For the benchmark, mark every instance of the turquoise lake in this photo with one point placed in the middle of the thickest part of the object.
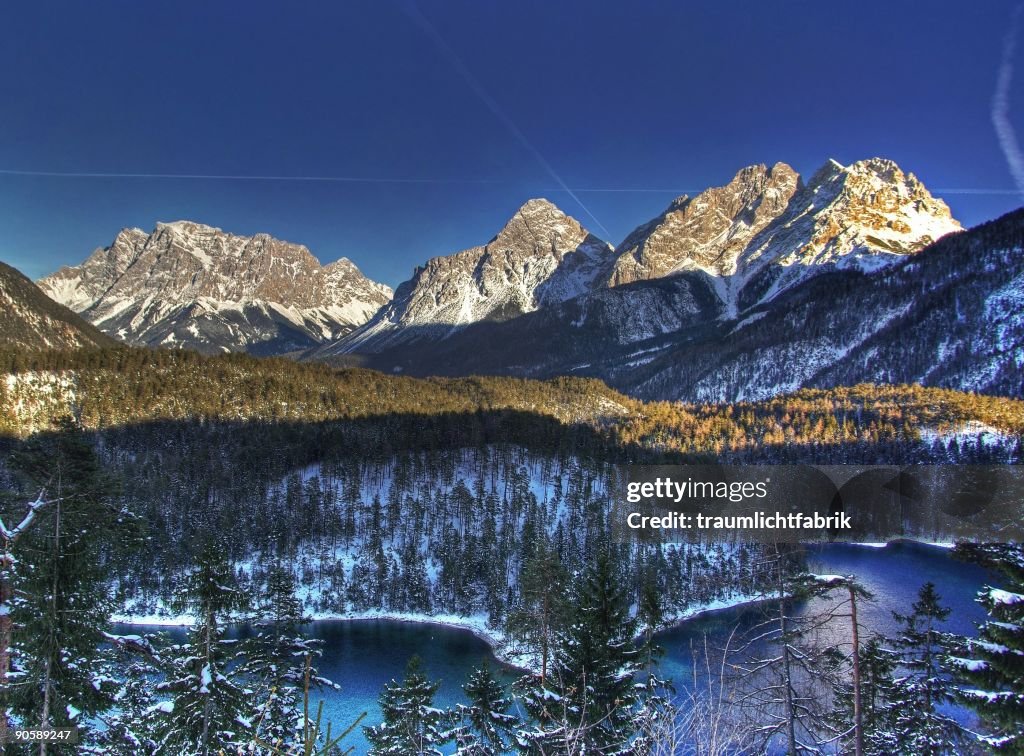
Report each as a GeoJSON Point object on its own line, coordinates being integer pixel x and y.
{"type": "Point", "coordinates": [362, 656]}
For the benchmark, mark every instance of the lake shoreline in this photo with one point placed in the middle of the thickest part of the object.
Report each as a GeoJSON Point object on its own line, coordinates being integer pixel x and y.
{"type": "Point", "coordinates": [500, 645]}
{"type": "Point", "coordinates": [477, 626]}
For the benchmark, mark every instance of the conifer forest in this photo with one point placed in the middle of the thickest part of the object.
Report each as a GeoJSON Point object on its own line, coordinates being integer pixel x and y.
{"type": "Point", "coordinates": [269, 494]}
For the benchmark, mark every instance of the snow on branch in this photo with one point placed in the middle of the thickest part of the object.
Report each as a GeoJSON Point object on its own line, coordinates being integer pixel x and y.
{"type": "Point", "coordinates": [1004, 598]}
{"type": "Point", "coordinates": [34, 507]}
{"type": "Point", "coordinates": [136, 643]}
{"type": "Point", "coordinates": [834, 580]}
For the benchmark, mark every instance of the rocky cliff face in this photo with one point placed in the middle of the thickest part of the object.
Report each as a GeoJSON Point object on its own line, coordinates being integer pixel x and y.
{"type": "Point", "coordinates": [758, 286]}
{"type": "Point", "coordinates": [186, 284]}
{"type": "Point", "coordinates": [862, 217]}
{"type": "Point", "coordinates": [541, 257]}
{"type": "Point", "coordinates": [707, 232]}
{"type": "Point", "coordinates": [951, 315]}
{"type": "Point", "coordinates": [748, 241]}
{"type": "Point", "coordinates": [765, 230]}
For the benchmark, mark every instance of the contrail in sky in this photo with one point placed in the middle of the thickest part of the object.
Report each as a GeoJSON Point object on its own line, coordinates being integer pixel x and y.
{"type": "Point", "coordinates": [975, 191]}
{"type": "Point", "coordinates": [224, 177]}
{"type": "Point", "coordinates": [492, 105]}
{"type": "Point", "coordinates": [1001, 105]}
{"type": "Point", "coordinates": [334, 179]}
{"type": "Point", "coordinates": [428, 181]}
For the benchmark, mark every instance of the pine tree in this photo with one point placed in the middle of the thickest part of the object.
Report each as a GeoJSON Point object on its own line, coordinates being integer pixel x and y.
{"type": "Point", "coordinates": [208, 708]}
{"type": "Point", "coordinates": [415, 583]}
{"type": "Point", "coordinates": [904, 685]}
{"type": "Point", "coordinates": [990, 668]}
{"type": "Point", "coordinates": [589, 700]}
{"type": "Point", "coordinates": [486, 725]}
{"type": "Point", "coordinates": [877, 663]}
{"type": "Point", "coordinates": [411, 726]}
{"type": "Point", "coordinates": [543, 580]}
{"type": "Point", "coordinates": [279, 663]}
{"type": "Point", "coordinates": [279, 606]}
{"type": "Point", "coordinates": [135, 662]}
{"type": "Point", "coordinates": [650, 607]}
{"type": "Point", "coordinates": [22, 523]}
{"type": "Point", "coordinates": [61, 608]}
{"type": "Point", "coordinates": [920, 685]}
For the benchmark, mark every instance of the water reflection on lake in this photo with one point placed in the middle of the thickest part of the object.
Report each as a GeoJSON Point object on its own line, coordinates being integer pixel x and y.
{"type": "Point", "coordinates": [893, 574]}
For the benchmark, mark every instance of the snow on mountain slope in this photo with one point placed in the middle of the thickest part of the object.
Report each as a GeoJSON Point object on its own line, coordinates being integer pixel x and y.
{"type": "Point", "coordinates": [747, 242]}
{"type": "Point", "coordinates": [186, 284]}
{"type": "Point", "coordinates": [29, 319]}
{"type": "Point", "coordinates": [765, 231]}
{"type": "Point", "coordinates": [540, 258]}
{"type": "Point", "coordinates": [864, 216]}
{"type": "Point", "coordinates": [950, 315]}
{"type": "Point", "coordinates": [707, 232]}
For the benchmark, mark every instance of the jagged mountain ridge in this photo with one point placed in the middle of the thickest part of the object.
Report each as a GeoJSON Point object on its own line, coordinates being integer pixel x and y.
{"type": "Point", "coordinates": [31, 320]}
{"type": "Point", "coordinates": [709, 231]}
{"type": "Point", "coordinates": [766, 231]}
{"type": "Point", "coordinates": [751, 239]}
{"type": "Point", "coordinates": [191, 285]}
{"type": "Point", "coordinates": [951, 315]}
{"type": "Point", "coordinates": [541, 257]}
{"type": "Point", "coordinates": [705, 264]}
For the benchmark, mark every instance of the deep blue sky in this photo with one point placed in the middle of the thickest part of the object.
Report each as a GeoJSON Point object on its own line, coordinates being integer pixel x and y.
{"type": "Point", "coordinates": [669, 96]}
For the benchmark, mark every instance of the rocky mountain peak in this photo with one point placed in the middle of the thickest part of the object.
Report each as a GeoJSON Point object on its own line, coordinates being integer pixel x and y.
{"type": "Point", "coordinates": [866, 208]}
{"type": "Point", "coordinates": [346, 279]}
{"type": "Point", "coordinates": [765, 224]}
{"type": "Point", "coordinates": [77, 287]}
{"type": "Point", "coordinates": [187, 226]}
{"type": "Point", "coordinates": [538, 205]}
{"type": "Point", "coordinates": [540, 256]}
{"type": "Point", "coordinates": [180, 283]}
{"type": "Point", "coordinates": [678, 203]}
{"type": "Point", "coordinates": [876, 183]}
{"type": "Point", "coordinates": [342, 267]}
{"type": "Point", "coordinates": [865, 216]}
{"type": "Point", "coordinates": [536, 228]}
{"type": "Point", "coordinates": [130, 236]}
{"type": "Point", "coordinates": [708, 231]}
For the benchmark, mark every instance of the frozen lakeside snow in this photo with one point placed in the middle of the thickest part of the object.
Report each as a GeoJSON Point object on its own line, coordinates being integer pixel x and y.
{"type": "Point", "coordinates": [1004, 598]}
{"type": "Point", "coordinates": [501, 646]}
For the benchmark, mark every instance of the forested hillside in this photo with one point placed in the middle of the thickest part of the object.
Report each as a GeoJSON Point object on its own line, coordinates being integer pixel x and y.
{"type": "Point", "coordinates": [117, 388]}
{"type": "Point", "coordinates": [338, 471]}
{"type": "Point", "coordinates": [31, 320]}
{"type": "Point", "coordinates": [227, 488]}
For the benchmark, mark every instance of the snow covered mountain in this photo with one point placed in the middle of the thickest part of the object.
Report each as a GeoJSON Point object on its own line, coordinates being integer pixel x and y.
{"type": "Point", "coordinates": [734, 293]}
{"type": "Point", "coordinates": [766, 231]}
{"type": "Point", "coordinates": [707, 232]}
{"type": "Point", "coordinates": [31, 320]}
{"type": "Point", "coordinates": [951, 315]}
{"type": "Point", "coordinates": [541, 257]}
{"type": "Point", "coordinates": [186, 284]}
{"type": "Point", "coordinates": [747, 242]}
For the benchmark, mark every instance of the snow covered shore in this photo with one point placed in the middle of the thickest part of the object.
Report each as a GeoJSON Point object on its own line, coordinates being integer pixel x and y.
{"type": "Point", "coordinates": [894, 541]}
{"type": "Point", "coordinates": [505, 649]}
